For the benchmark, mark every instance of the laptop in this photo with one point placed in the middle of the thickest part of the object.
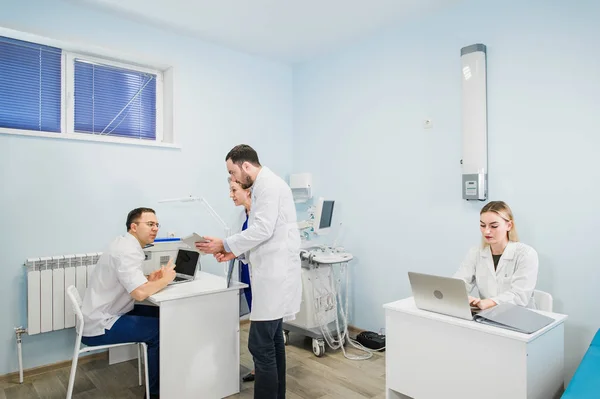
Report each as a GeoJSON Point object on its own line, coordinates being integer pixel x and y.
{"type": "Point", "coordinates": [185, 266]}
{"type": "Point", "coordinates": [443, 295]}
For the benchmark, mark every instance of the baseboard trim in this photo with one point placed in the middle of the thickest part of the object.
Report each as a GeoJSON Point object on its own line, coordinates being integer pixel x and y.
{"type": "Point", "coordinates": [355, 330]}
{"type": "Point", "coordinates": [351, 328]}
{"type": "Point", "coordinates": [14, 377]}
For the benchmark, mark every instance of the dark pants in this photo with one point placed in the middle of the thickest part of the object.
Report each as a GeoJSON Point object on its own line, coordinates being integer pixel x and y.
{"type": "Point", "coordinates": [139, 325]}
{"type": "Point", "coordinates": [265, 343]}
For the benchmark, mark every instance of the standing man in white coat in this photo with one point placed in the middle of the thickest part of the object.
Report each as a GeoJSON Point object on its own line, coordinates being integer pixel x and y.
{"type": "Point", "coordinates": [271, 243]}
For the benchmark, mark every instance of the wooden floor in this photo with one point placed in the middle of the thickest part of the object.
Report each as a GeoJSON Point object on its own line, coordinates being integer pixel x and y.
{"type": "Point", "coordinates": [308, 377]}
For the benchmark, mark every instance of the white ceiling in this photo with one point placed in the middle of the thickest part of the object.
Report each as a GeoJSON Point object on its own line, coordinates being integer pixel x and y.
{"type": "Point", "coordinates": [285, 30]}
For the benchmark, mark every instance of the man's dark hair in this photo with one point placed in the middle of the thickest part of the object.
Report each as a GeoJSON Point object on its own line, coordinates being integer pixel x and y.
{"type": "Point", "coordinates": [134, 215]}
{"type": "Point", "coordinates": [243, 153]}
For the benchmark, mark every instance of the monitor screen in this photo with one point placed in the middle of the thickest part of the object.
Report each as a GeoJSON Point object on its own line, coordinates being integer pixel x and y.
{"type": "Point", "coordinates": [186, 262]}
{"type": "Point", "coordinates": [326, 215]}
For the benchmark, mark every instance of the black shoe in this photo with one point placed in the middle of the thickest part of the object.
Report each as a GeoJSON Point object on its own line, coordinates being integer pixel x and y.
{"type": "Point", "coordinates": [248, 377]}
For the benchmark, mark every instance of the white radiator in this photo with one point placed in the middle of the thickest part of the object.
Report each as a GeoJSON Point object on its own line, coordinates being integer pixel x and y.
{"type": "Point", "coordinates": [48, 307]}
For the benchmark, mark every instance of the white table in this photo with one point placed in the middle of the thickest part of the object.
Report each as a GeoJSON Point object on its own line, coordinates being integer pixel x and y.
{"type": "Point", "coordinates": [432, 356]}
{"type": "Point", "coordinates": [199, 338]}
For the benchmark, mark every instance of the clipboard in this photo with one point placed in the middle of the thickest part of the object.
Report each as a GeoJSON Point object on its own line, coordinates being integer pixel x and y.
{"type": "Point", "coordinates": [192, 239]}
{"type": "Point", "coordinates": [514, 317]}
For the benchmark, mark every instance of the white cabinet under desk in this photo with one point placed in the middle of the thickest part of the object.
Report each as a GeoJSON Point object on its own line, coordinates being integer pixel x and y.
{"type": "Point", "coordinates": [433, 356]}
{"type": "Point", "coordinates": [199, 338]}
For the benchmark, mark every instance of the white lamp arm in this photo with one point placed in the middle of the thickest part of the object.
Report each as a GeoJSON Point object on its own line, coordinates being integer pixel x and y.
{"type": "Point", "coordinates": [210, 209]}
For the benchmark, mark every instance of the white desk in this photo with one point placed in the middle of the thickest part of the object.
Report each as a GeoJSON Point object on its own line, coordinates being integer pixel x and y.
{"type": "Point", "coordinates": [432, 356]}
{"type": "Point", "coordinates": [199, 338]}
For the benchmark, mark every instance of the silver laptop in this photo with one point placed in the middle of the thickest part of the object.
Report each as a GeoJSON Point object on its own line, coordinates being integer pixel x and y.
{"type": "Point", "coordinates": [443, 295]}
{"type": "Point", "coordinates": [186, 266]}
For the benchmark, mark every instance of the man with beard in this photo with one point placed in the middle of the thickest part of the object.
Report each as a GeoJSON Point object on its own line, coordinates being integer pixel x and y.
{"type": "Point", "coordinates": [271, 243]}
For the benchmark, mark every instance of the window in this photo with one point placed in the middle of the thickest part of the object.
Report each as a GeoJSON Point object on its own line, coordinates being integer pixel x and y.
{"type": "Point", "coordinates": [30, 86]}
{"type": "Point", "coordinates": [114, 101]}
{"type": "Point", "coordinates": [51, 91]}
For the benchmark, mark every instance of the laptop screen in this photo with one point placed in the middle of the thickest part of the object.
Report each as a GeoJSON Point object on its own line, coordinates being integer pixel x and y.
{"type": "Point", "coordinates": [186, 262]}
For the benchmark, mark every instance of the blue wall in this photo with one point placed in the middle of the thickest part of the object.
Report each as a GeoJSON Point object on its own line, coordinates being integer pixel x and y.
{"type": "Point", "coordinates": [61, 197]}
{"type": "Point", "coordinates": [358, 118]}
{"type": "Point", "coordinates": [355, 120]}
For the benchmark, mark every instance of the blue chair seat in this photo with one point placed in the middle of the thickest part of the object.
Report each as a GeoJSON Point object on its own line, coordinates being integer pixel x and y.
{"type": "Point", "coordinates": [586, 381]}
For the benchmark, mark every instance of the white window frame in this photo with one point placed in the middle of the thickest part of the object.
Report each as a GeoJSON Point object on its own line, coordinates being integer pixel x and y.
{"type": "Point", "coordinates": [69, 54]}
{"type": "Point", "coordinates": [69, 64]}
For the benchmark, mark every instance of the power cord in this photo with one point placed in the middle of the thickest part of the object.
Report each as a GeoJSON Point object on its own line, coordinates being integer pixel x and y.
{"type": "Point", "coordinates": [332, 342]}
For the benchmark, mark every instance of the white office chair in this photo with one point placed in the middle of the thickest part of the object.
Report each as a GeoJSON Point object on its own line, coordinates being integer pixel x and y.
{"type": "Point", "coordinates": [543, 300]}
{"type": "Point", "coordinates": [142, 348]}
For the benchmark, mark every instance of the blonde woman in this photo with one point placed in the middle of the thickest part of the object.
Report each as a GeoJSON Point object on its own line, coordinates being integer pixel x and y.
{"type": "Point", "coordinates": [503, 269]}
{"type": "Point", "coordinates": [242, 197]}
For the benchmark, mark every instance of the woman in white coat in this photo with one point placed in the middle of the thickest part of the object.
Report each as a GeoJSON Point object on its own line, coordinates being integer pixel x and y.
{"type": "Point", "coordinates": [242, 197]}
{"type": "Point", "coordinates": [503, 269]}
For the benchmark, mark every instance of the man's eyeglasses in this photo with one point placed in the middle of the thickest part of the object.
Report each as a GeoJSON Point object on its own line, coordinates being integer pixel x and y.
{"type": "Point", "coordinates": [150, 224]}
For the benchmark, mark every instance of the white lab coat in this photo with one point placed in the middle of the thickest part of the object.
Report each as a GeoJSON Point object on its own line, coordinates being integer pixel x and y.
{"type": "Point", "coordinates": [271, 244]}
{"type": "Point", "coordinates": [512, 282]}
{"type": "Point", "coordinates": [108, 295]}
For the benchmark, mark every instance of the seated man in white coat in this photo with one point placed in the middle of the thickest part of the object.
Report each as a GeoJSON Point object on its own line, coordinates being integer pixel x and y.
{"type": "Point", "coordinates": [271, 243]}
{"type": "Point", "coordinates": [118, 280]}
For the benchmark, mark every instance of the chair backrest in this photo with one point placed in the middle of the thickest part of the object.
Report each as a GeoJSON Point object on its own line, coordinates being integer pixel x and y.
{"type": "Point", "coordinates": [543, 300]}
{"type": "Point", "coordinates": [75, 299]}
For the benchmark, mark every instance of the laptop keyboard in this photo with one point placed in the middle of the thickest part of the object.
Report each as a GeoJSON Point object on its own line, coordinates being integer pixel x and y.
{"type": "Point", "coordinates": [179, 279]}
